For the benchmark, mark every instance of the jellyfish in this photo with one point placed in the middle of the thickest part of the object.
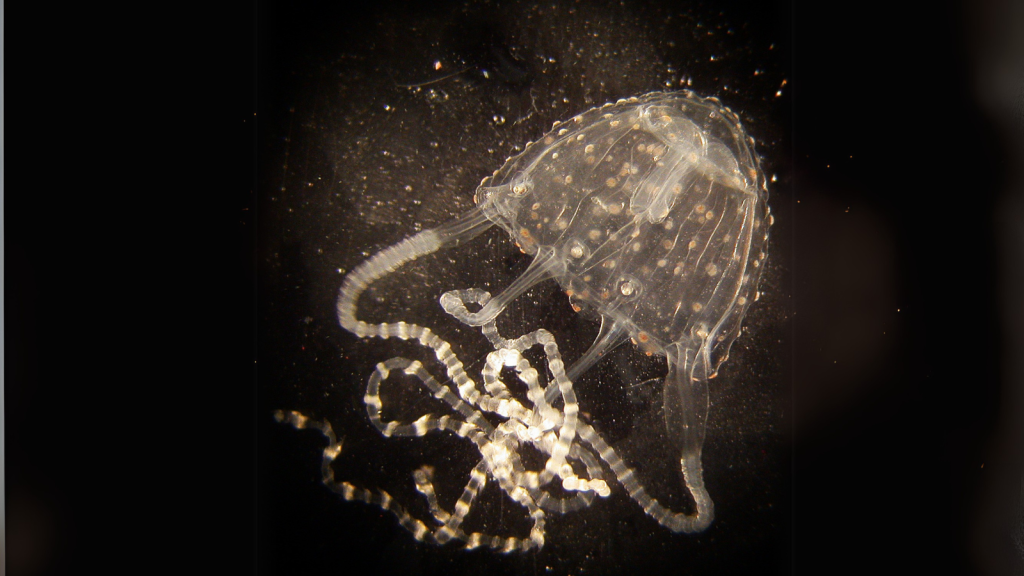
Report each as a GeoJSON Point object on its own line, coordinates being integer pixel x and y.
{"type": "Point", "coordinates": [650, 212]}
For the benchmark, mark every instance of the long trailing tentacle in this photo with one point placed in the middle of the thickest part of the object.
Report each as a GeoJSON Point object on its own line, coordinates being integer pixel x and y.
{"type": "Point", "coordinates": [556, 432]}
{"type": "Point", "coordinates": [390, 259]}
{"type": "Point", "coordinates": [552, 431]}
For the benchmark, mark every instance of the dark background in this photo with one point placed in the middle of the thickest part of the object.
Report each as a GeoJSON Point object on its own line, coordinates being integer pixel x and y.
{"type": "Point", "coordinates": [875, 404]}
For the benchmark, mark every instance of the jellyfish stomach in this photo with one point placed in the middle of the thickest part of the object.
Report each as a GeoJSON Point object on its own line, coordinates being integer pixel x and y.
{"type": "Point", "coordinates": [390, 259]}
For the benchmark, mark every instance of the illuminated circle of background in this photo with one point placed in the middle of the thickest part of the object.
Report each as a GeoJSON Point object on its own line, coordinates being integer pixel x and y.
{"type": "Point", "coordinates": [378, 145]}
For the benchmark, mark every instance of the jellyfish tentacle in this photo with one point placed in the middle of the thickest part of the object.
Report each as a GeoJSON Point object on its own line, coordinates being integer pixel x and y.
{"type": "Point", "coordinates": [689, 406]}
{"type": "Point", "coordinates": [626, 476]}
{"type": "Point", "coordinates": [611, 334]}
{"type": "Point", "coordinates": [560, 433]}
{"type": "Point", "coordinates": [551, 430]}
{"type": "Point", "coordinates": [346, 490]}
{"type": "Point", "coordinates": [390, 259]}
{"type": "Point", "coordinates": [546, 264]}
{"type": "Point", "coordinates": [509, 353]}
{"type": "Point", "coordinates": [490, 441]}
{"type": "Point", "coordinates": [685, 397]}
{"type": "Point", "coordinates": [686, 410]}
